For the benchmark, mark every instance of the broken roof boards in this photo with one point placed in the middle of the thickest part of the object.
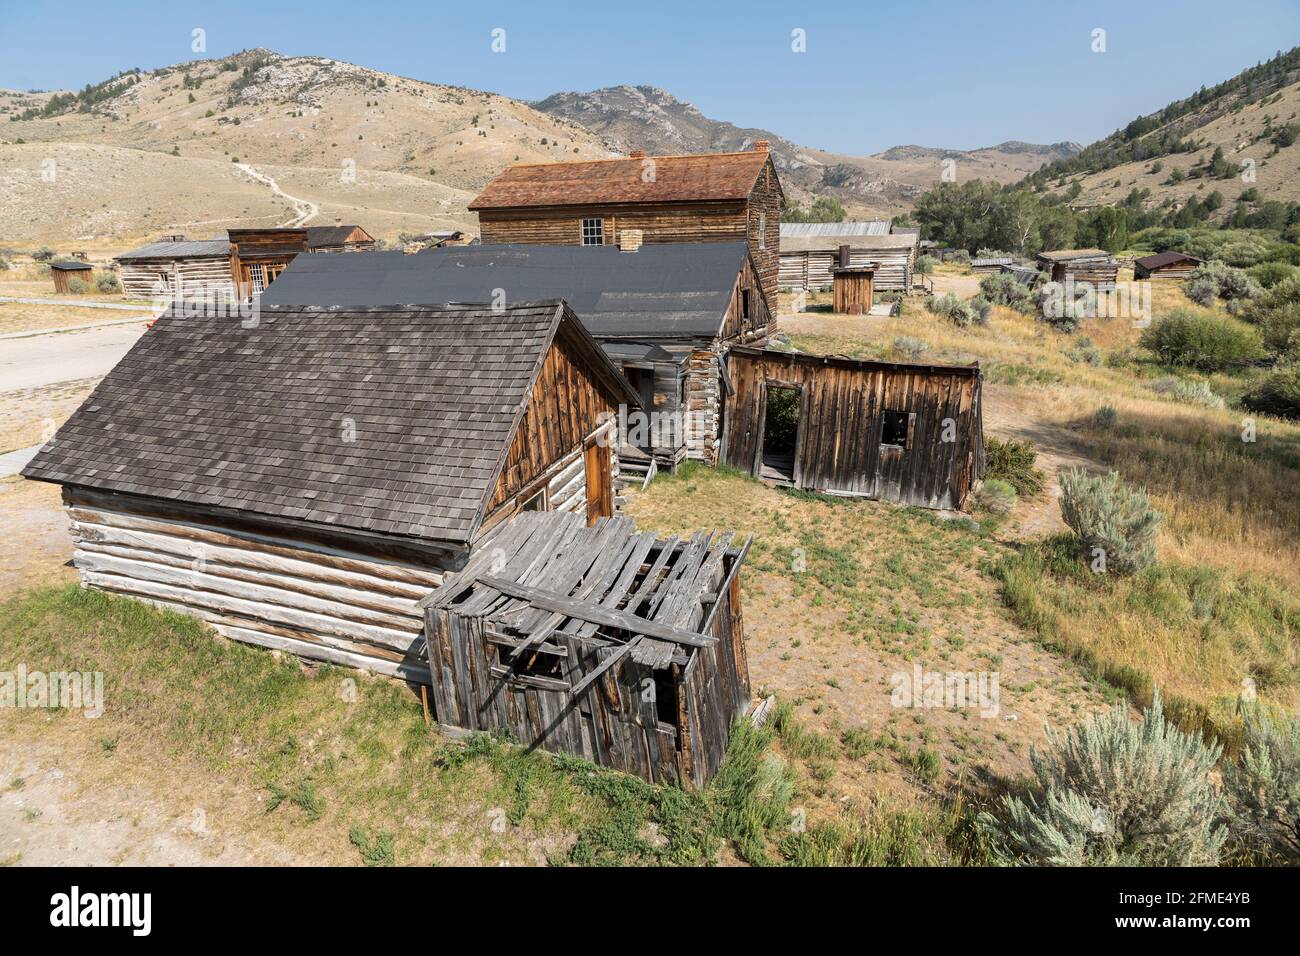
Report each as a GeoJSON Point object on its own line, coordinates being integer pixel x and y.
{"type": "Point", "coordinates": [618, 646]}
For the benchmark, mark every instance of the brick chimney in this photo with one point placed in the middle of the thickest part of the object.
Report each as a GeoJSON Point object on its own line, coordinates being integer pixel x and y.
{"type": "Point", "coordinates": [637, 154]}
{"type": "Point", "coordinates": [629, 240]}
{"type": "Point", "coordinates": [761, 146]}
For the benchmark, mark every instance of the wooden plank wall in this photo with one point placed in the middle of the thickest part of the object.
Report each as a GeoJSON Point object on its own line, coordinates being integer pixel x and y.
{"type": "Point", "coordinates": [842, 413]}
{"type": "Point", "coordinates": [660, 222]}
{"type": "Point", "coordinates": [566, 407]}
{"type": "Point", "coordinates": [812, 270]}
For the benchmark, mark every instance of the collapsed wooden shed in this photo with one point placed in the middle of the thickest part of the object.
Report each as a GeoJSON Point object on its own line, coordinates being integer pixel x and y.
{"type": "Point", "coordinates": [300, 484]}
{"type": "Point", "coordinates": [1080, 265]}
{"type": "Point", "coordinates": [621, 647]}
{"type": "Point", "coordinates": [893, 431]}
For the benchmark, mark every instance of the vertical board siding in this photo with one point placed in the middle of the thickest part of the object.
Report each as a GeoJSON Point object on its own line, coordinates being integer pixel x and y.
{"type": "Point", "coordinates": [841, 421]}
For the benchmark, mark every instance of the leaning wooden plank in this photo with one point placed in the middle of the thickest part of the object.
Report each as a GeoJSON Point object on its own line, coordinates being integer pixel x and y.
{"type": "Point", "coordinates": [603, 666]}
{"type": "Point", "coordinates": [595, 614]}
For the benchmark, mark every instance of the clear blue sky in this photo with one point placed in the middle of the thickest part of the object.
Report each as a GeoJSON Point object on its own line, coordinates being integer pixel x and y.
{"type": "Point", "coordinates": [875, 74]}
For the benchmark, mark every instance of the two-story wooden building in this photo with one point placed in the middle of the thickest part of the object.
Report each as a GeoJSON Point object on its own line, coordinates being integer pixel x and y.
{"type": "Point", "coordinates": [708, 197]}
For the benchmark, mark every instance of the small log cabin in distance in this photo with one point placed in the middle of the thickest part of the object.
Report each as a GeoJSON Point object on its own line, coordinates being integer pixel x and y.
{"type": "Point", "coordinates": [1081, 265]}
{"type": "Point", "coordinates": [303, 483]}
{"type": "Point", "coordinates": [665, 313]}
{"type": "Point", "coordinates": [623, 648]}
{"type": "Point", "coordinates": [708, 197]}
{"type": "Point", "coordinates": [898, 432]}
{"type": "Point", "coordinates": [65, 270]}
{"type": "Point", "coordinates": [1171, 265]}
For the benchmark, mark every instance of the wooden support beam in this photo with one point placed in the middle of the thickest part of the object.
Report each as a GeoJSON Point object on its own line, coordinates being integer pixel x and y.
{"type": "Point", "coordinates": [550, 601]}
{"type": "Point", "coordinates": [604, 665]}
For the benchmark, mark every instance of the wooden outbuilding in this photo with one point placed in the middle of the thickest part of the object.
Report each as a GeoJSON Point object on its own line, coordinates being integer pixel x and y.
{"type": "Point", "coordinates": [258, 256]}
{"type": "Point", "coordinates": [302, 483]}
{"type": "Point", "coordinates": [65, 270]}
{"type": "Point", "coordinates": [810, 251]}
{"type": "Point", "coordinates": [665, 313]}
{"type": "Point", "coordinates": [708, 197]}
{"type": "Point", "coordinates": [178, 269]}
{"type": "Point", "coordinates": [852, 290]}
{"type": "Point", "coordinates": [621, 647]}
{"type": "Point", "coordinates": [907, 433]}
{"type": "Point", "coordinates": [1082, 265]}
{"type": "Point", "coordinates": [1172, 265]}
{"type": "Point", "coordinates": [990, 265]}
{"type": "Point", "coordinates": [339, 239]}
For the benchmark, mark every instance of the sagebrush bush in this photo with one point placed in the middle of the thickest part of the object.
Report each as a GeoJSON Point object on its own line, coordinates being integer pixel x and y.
{"type": "Point", "coordinates": [951, 307]}
{"type": "Point", "coordinates": [1012, 460]}
{"type": "Point", "coordinates": [1269, 274]}
{"type": "Point", "coordinates": [1276, 314]}
{"type": "Point", "coordinates": [1278, 394]}
{"type": "Point", "coordinates": [996, 496]}
{"type": "Point", "coordinates": [1084, 352]}
{"type": "Point", "coordinates": [910, 346]}
{"type": "Point", "coordinates": [1002, 289]}
{"type": "Point", "coordinates": [1217, 279]}
{"type": "Point", "coordinates": [1115, 523]}
{"type": "Point", "coordinates": [1115, 792]}
{"type": "Point", "coordinates": [1263, 787]}
{"type": "Point", "coordinates": [78, 286]}
{"type": "Point", "coordinates": [1188, 391]}
{"type": "Point", "coordinates": [1201, 340]}
{"type": "Point", "coordinates": [108, 282]}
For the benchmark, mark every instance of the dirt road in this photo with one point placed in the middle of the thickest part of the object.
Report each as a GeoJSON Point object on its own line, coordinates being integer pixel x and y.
{"type": "Point", "coordinates": [44, 360]}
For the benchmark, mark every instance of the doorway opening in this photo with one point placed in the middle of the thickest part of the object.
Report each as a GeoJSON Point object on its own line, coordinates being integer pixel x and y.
{"type": "Point", "coordinates": [780, 433]}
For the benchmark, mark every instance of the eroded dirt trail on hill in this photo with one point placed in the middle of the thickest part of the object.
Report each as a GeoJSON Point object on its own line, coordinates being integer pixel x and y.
{"type": "Point", "coordinates": [304, 209]}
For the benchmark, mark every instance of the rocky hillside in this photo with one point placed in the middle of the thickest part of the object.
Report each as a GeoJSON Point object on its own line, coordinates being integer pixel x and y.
{"type": "Point", "coordinates": [646, 117]}
{"type": "Point", "coordinates": [160, 151]}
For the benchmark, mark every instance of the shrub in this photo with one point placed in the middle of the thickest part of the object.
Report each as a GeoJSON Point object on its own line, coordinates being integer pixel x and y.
{"type": "Point", "coordinates": [1002, 289]}
{"type": "Point", "coordinates": [78, 286]}
{"type": "Point", "coordinates": [996, 496]}
{"type": "Point", "coordinates": [926, 264]}
{"type": "Point", "coordinates": [1276, 314]}
{"type": "Point", "coordinates": [1263, 787]}
{"type": "Point", "coordinates": [1278, 394]}
{"type": "Point", "coordinates": [43, 254]}
{"type": "Point", "coordinates": [1115, 792]}
{"type": "Point", "coordinates": [1188, 391]}
{"type": "Point", "coordinates": [1061, 312]}
{"type": "Point", "coordinates": [951, 307]}
{"type": "Point", "coordinates": [1012, 460]}
{"type": "Point", "coordinates": [108, 282]}
{"type": "Point", "coordinates": [1104, 418]}
{"type": "Point", "coordinates": [1114, 522]}
{"type": "Point", "coordinates": [1214, 280]}
{"type": "Point", "coordinates": [1242, 252]}
{"type": "Point", "coordinates": [1269, 274]}
{"type": "Point", "coordinates": [911, 347]}
{"type": "Point", "coordinates": [983, 307]}
{"type": "Point", "coordinates": [1201, 340]}
{"type": "Point", "coordinates": [1084, 352]}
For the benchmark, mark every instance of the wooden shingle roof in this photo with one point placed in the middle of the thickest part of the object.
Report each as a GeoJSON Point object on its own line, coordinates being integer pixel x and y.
{"type": "Point", "coordinates": [393, 420]}
{"type": "Point", "coordinates": [704, 177]}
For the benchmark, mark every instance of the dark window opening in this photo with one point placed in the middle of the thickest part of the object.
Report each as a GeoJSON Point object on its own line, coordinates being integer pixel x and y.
{"type": "Point", "coordinates": [744, 304]}
{"type": "Point", "coordinates": [665, 698]}
{"type": "Point", "coordinates": [893, 431]}
{"type": "Point", "coordinates": [531, 663]}
{"type": "Point", "coordinates": [780, 433]}
{"type": "Point", "coordinates": [536, 503]}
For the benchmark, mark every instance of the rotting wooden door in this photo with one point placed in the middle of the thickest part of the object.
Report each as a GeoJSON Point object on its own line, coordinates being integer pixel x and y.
{"type": "Point", "coordinates": [600, 488]}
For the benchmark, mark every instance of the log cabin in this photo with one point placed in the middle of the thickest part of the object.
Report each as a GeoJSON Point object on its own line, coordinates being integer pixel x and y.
{"type": "Point", "coordinates": [178, 269]}
{"type": "Point", "coordinates": [665, 313]}
{"type": "Point", "coordinates": [302, 483]}
{"type": "Point", "coordinates": [809, 254]}
{"type": "Point", "coordinates": [708, 197]}
{"type": "Point", "coordinates": [258, 256]}
{"type": "Point", "coordinates": [1081, 265]}
{"type": "Point", "coordinates": [906, 433]}
{"type": "Point", "coordinates": [64, 271]}
{"type": "Point", "coordinates": [1171, 265]}
{"type": "Point", "coordinates": [339, 238]}
{"type": "Point", "coordinates": [627, 649]}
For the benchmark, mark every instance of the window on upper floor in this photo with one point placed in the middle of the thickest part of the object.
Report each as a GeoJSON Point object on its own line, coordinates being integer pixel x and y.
{"type": "Point", "coordinates": [593, 232]}
{"type": "Point", "coordinates": [762, 230]}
